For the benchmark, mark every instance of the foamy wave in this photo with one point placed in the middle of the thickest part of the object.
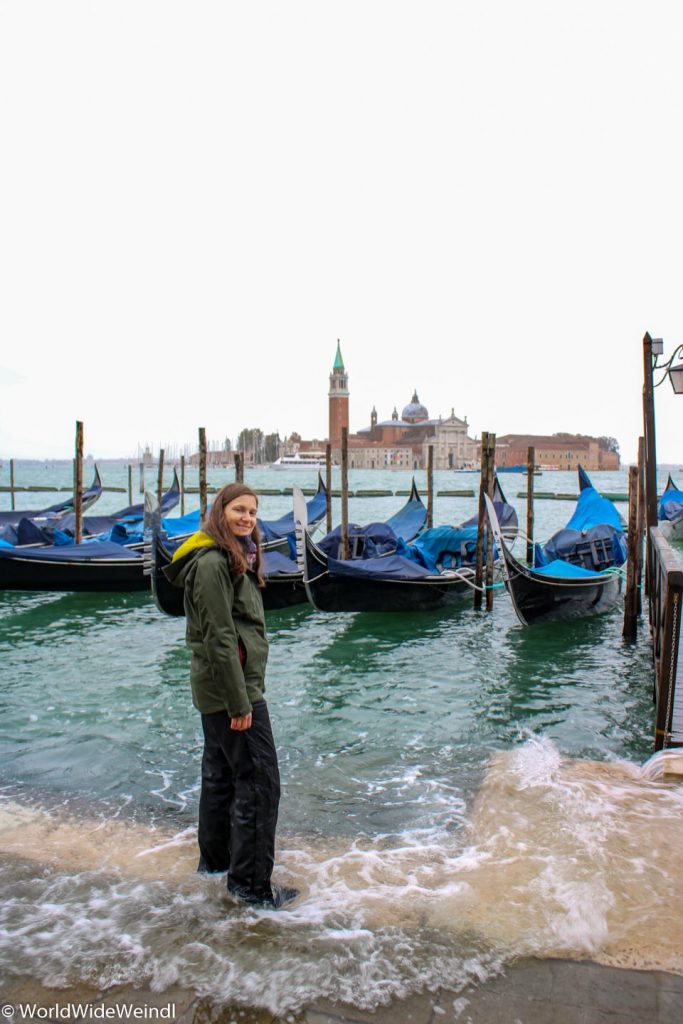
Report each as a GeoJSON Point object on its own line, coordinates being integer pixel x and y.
{"type": "Point", "coordinates": [558, 857]}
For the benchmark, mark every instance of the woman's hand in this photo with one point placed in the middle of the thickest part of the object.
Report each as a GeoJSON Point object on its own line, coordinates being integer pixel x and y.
{"type": "Point", "coordinates": [240, 724]}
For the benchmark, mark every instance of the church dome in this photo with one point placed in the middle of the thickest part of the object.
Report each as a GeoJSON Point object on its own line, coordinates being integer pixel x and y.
{"type": "Point", "coordinates": [415, 412]}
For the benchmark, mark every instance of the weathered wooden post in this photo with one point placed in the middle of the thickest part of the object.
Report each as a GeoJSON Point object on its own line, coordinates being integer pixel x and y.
{"type": "Point", "coordinates": [430, 486]}
{"type": "Point", "coordinates": [530, 466]}
{"type": "Point", "coordinates": [141, 467]}
{"type": "Point", "coordinates": [78, 484]}
{"type": "Point", "coordinates": [650, 455]}
{"type": "Point", "coordinates": [130, 484]}
{"type": "Point", "coordinates": [328, 487]}
{"type": "Point", "coordinates": [182, 485]}
{"type": "Point", "coordinates": [11, 485]}
{"type": "Point", "coordinates": [160, 475]}
{"type": "Point", "coordinates": [239, 467]}
{"type": "Point", "coordinates": [641, 521]}
{"type": "Point", "coordinates": [479, 562]}
{"type": "Point", "coordinates": [345, 492]}
{"type": "Point", "coordinates": [630, 629]}
{"type": "Point", "coordinates": [202, 472]}
{"type": "Point", "coordinates": [490, 484]}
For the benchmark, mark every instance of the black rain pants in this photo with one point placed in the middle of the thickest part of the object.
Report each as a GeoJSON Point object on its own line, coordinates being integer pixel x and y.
{"type": "Point", "coordinates": [239, 802]}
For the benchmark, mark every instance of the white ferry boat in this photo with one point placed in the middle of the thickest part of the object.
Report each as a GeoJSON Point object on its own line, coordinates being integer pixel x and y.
{"type": "Point", "coordinates": [302, 460]}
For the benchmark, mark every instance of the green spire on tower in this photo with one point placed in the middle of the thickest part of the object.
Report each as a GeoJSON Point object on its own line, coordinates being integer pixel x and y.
{"type": "Point", "coordinates": [338, 361]}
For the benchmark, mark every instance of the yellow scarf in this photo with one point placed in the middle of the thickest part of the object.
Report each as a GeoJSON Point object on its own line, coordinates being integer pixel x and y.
{"type": "Point", "coordinates": [197, 540]}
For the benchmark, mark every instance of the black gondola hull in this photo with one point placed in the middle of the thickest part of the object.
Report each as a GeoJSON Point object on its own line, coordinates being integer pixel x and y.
{"type": "Point", "coordinates": [538, 600]}
{"type": "Point", "coordinates": [330, 593]}
{"type": "Point", "coordinates": [93, 576]}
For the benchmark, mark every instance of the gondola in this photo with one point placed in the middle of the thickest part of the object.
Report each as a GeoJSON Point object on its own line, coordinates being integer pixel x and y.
{"type": "Point", "coordinates": [52, 513]}
{"type": "Point", "coordinates": [391, 582]}
{"type": "Point", "coordinates": [284, 579]}
{"type": "Point", "coordinates": [577, 573]}
{"type": "Point", "coordinates": [94, 566]}
{"type": "Point", "coordinates": [670, 511]}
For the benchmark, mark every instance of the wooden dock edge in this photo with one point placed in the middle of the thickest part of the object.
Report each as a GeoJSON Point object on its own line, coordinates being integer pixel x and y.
{"type": "Point", "coordinates": [665, 598]}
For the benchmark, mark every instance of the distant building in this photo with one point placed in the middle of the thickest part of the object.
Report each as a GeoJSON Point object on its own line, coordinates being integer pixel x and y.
{"type": "Point", "coordinates": [338, 400]}
{"type": "Point", "coordinates": [401, 442]}
{"type": "Point", "coordinates": [557, 451]}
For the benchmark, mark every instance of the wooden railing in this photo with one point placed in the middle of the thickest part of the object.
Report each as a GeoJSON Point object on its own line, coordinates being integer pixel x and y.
{"type": "Point", "coordinates": [665, 597]}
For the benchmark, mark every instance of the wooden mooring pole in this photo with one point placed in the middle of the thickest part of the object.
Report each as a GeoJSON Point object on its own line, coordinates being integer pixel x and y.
{"type": "Point", "coordinates": [130, 484]}
{"type": "Point", "coordinates": [239, 467]}
{"type": "Point", "coordinates": [345, 492]}
{"type": "Point", "coordinates": [641, 521]}
{"type": "Point", "coordinates": [182, 485]}
{"type": "Point", "coordinates": [530, 466]}
{"type": "Point", "coordinates": [630, 630]}
{"type": "Point", "coordinates": [430, 486]}
{"type": "Point", "coordinates": [160, 475]}
{"type": "Point", "coordinates": [328, 488]}
{"type": "Point", "coordinates": [650, 473]}
{"type": "Point", "coordinates": [490, 483]}
{"type": "Point", "coordinates": [202, 472]}
{"type": "Point", "coordinates": [479, 563]}
{"type": "Point", "coordinates": [78, 484]}
{"type": "Point", "coordinates": [11, 485]}
{"type": "Point", "coordinates": [141, 467]}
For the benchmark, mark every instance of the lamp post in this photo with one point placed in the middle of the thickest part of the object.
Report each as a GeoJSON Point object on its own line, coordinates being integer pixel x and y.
{"type": "Point", "coordinates": [653, 348]}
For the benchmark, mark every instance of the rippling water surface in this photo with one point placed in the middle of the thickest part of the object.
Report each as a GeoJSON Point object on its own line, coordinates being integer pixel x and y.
{"type": "Point", "coordinates": [457, 790]}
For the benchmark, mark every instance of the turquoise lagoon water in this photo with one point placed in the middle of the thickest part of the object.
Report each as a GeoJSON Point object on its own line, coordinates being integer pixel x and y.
{"type": "Point", "coordinates": [458, 790]}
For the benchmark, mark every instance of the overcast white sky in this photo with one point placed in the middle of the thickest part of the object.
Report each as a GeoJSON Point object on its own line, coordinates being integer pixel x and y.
{"type": "Point", "coordinates": [481, 200]}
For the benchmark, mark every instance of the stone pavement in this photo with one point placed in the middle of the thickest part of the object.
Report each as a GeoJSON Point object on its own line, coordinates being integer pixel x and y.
{"type": "Point", "coordinates": [530, 992]}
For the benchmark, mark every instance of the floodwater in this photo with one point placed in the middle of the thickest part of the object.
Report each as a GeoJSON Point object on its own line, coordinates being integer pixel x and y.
{"type": "Point", "coordinates": [458, 791]}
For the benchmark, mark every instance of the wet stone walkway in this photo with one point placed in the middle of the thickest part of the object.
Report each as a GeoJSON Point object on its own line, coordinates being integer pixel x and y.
{"type": "Point", "coordinates": [530, 992]}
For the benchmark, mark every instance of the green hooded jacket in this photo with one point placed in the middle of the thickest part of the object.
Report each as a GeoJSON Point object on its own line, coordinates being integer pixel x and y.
{"type": "Point", "coordinates": [223, 611]}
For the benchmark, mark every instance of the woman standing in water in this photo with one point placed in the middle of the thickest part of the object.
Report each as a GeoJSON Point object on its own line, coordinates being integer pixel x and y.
{"type": "Point", "coordinates": [220, 570]}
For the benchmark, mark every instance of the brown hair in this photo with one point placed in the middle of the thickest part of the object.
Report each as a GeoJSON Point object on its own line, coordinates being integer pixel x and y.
{"type": "Point", "coordinates": [215, 525]}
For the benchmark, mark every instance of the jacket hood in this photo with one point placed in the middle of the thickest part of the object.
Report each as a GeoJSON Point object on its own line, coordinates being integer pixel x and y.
{"type": "Point", "coordinates": [186, 556]}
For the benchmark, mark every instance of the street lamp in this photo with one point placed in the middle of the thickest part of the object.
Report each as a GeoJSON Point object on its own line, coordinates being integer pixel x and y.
{"type": "Point", "coordinates": [674, 373]}
{"type": "Point", "coordinates": [653, 348]}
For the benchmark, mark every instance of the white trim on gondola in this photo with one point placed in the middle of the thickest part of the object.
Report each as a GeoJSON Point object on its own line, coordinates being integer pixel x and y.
{"type": "Point", "coordinates": [81, 563]}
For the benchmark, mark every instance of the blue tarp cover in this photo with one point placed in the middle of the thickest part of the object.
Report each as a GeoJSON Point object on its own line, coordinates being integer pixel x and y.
{"type": "Point", "coordinates": [73, 553]}
{"type": "Point", "coordinates": [443, 547]}
{"type": "Point", "coordinates": [585, 547]}
{"type": "Point", "coordinates": [409, 520]}
{"type": "Point", "coordinates": [372, 540]}
{"type": "Point", "coordinates": [507, 517]}
{"type": "Point", "coordinates": [566, 570]}
{"type": "Point", "coordinates": [592, 510]}
{"type": "Point", "coordinates": [670, 506]}
{"type": "Point", "coordinates": [593, 537]}
{"type": "Point", "coordinates": [180, 525]}
{"type": "Point", "coordinates": [393, 567]}
{"type": "Point", "coordinates": [276, 529]}
{"type": "Point", "coordinates": [274, 563]}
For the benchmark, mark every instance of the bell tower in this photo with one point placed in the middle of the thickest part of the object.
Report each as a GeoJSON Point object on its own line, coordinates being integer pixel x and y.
{"type": "Point", "coordinates": [339, 400]}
